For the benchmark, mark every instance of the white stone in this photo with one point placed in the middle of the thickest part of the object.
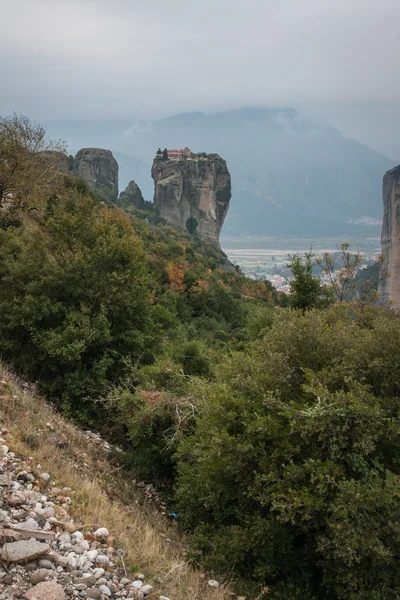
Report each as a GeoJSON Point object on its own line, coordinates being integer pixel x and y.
{"type": "Point", "coordinates": [91, 555]}
{"type": "Point", "coordinates": [84, 544]}
{"type": "Point", "coordinates": [71, 556]}
{"type": "Point", "coordinates": [99, 572]}
{"type": "Point", "coordinates": [78, 536]}
{"type": "Point", "coordinates": [213, 583]}
{"type": "Point", "coordinates": [102, 559]}
{"type": "Point", "coordinates": [137, 584]}
{"type": "Point", "coordinates": [29, 525]}
{"type": "Point", "coordinates": [106, 590]}
{"type": "Point", "coordinates": [81, 561]}
{"type": "Point", "coordinates": [146, 589]}
{"type": "Point", "coordinates": [64, 537]}
{"type": "Point", "coordinates": [102, 532]}
{"type": "Point", "coordinates": [3, 450]}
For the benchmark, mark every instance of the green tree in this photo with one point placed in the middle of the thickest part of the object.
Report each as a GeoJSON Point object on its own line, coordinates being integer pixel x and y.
{"type": "Point", "coordinates": [306, 290]}
{"type": "Point", "coordinates": [74, 299]}
{"type": "Point", "coordinates": [165, 154]}
{"type": "Point", "coordinates": [30, 164]}
{"type": "Point", "coordinates": [191, 225]}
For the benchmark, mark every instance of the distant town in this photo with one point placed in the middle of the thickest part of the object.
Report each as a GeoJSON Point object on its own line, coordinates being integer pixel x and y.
{"type": "Point", "coordinates": [271, 263]}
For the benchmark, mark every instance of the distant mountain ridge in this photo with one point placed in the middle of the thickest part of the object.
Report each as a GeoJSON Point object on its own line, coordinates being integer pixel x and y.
{"type": "Point", "coordinates": [289, 175]}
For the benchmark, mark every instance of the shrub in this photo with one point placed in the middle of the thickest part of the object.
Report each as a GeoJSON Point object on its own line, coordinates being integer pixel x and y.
{"type": "Point", "coordinates": [194, 358]}
{"type": "Point", "coordinates": [74, 299]}
{"type": "Point", "coordinates": [155, 410]}
{"type": "Point", "coordinates": [292, 475]}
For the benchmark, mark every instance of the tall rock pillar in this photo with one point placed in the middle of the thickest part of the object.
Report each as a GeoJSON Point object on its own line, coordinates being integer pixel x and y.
{"type": "Point", "coordinates": [99, 169]}
{"type": "Point", "coordinates": [193, 193]}
{"type": "Point", "coordinates": [389, 287]}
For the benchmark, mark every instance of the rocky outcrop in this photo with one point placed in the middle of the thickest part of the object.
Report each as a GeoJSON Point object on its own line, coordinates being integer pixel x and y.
{"type": "Point", "coordinates": [99, 169]}
{"type": "Point", "coordinates": [389, 287]}
{"type": "Point", "coordinates": [132, 196]}
{"type": "Point", "coordinates": [193, 193]}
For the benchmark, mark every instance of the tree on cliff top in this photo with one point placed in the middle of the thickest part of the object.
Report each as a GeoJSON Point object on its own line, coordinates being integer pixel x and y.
{"type": "Point", "coordinates": [165, 154]}
{"type": "Point", "coordinates": [29, 163]}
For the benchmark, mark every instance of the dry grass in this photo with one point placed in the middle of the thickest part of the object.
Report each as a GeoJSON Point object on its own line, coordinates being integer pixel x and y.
{"type": "Point", "coordinates": [102, 497]}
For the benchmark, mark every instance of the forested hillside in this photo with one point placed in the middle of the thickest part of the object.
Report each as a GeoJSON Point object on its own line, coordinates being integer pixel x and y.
{"type": "Point", "coordinates": [272, 432]}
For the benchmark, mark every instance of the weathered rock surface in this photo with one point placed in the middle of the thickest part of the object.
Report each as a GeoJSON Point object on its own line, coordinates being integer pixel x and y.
{"type": "Point", "coordinates": [389, 287]}
{"type": "Point", "coordinates": [48, 590]}
{"type": "Point", "coordinates": [132, 195]}
{"type": "Point", "coordinates": [193, 194]}
{"type": "Point", "coordinates": [23, 551]}
{"type": "Point", "coordinates": [99, 169]}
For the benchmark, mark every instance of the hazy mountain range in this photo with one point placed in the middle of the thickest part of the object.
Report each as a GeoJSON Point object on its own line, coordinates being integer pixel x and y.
{"type": "Point", "coordinates": [289, 175]}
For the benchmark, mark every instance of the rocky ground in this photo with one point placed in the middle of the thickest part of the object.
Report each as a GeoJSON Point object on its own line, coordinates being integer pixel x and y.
{"type": "Point", "coordinates": [44, 555]}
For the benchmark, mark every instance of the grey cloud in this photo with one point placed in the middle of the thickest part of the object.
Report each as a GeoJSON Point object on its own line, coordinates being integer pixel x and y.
{"type": "Point", "coordinates": [94, 58]}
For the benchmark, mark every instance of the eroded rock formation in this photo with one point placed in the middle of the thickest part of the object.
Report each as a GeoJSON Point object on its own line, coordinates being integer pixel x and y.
{"type": "Point", "coordinates": [132, 196]}
{"type": "Point", "coordinates": [390, 282]}
{"type": "Point", "coordinates": [193, 193]}
{"type": "Point", "coordinates": [99, 169]}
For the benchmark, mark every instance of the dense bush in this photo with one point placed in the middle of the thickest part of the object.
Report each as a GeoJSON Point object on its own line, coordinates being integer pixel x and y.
{"type": "Point", "coordinates": [154, 410]}
{"type": "Point", "coordinates": [74, 299]}
{"type": "Point", "coordinates": [291, 477]}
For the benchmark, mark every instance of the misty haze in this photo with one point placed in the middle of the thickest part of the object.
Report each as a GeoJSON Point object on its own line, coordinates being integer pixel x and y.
{"type": "Point", "coordinates": [199, 300]}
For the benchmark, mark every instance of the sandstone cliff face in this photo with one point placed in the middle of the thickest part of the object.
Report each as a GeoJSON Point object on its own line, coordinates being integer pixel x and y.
{"type": "Point", "coordinates": [193, 194]}
{"type": "Point", "coordinates": [99, 169]}
{"type": "Point", "coordinates": [390, 286]}
{"type": "Point", "coordinates": [132, 195]}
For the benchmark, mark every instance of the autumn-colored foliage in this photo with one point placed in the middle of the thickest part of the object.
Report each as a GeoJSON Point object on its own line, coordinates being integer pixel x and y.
{"type": "Point", "coordinates": [176, 273]}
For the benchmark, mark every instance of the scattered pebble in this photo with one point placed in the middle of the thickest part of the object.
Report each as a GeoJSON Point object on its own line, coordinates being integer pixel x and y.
{"type": "Point", "coordinates": [46, 591]}
{"type": "Point", "coordinates": [146, 589]}
{"type": "Point", "coordinates": [57, 561]}
{"type": "Point", "coordinates": [101, 532]}
{"type": "Point", "coordinates": [106, 590]}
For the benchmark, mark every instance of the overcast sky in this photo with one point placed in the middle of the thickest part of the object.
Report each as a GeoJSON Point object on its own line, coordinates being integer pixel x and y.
{"type": "Point", "coordinates": [149, 58]}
